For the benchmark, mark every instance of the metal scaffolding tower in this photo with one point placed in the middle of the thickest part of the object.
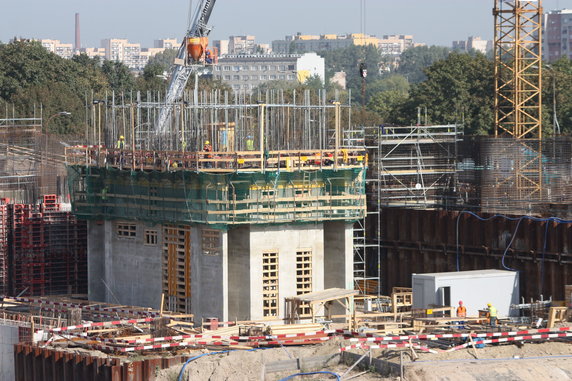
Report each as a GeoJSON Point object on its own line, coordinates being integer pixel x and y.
{"type": "Point", "coordinates": [518, 89]}
{"type": "Point", "coordinates": [413, 166]}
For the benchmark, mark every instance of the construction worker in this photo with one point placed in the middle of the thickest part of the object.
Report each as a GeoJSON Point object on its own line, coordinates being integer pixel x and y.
{"type": "Point", "coordinates": [121, 142]}
{"type": "Point", "coordinates": [492, 315]}
{"type": "Point", "coordinates": [461, 310]}
{"type": "Point", "coordinates": [208, 148]}
{"type": "Point", "coordinates": [249, 143]}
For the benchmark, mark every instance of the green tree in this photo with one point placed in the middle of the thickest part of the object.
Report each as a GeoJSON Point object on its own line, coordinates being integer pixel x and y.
{"type": "Point", "coordinates": [348, 60]}
{"type": "Point", "coordinates": [118, 75]}
{"type": "Point", "coordinates": [165, 59]}
{"type": "Point", "coordinates": [457, 89]}
{"type": "Point", "coordinates": [556, 81]}
{"type": "Point", "coordinates": [415, 60]}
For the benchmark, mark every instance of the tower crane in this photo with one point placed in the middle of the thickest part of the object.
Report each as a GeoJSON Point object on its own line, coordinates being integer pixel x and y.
{"type": "Point", "coordinates": [190, 58]}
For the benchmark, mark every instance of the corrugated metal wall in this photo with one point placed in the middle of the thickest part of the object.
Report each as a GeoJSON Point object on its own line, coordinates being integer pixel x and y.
{"type": "Point", "coordinates": [423, 241]}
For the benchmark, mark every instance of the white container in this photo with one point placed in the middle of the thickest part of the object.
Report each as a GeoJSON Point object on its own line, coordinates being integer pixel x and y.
{"type": "Point", "coordinates": [474, 288]}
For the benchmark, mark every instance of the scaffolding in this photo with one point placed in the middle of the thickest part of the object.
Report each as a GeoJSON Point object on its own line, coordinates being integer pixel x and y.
{"type": "Point", "coordinates": [413, 166]}
{"type": "Point", "coordinates": [43, 249]}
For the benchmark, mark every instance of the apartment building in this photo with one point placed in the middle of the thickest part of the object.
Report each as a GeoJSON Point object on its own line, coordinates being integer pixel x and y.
{"type": "Point", "coordinates": [557, 35]}
{"type": "Point", "coordinates": [473, 43]}
{"type": "Point", "coordinates": [389, 44]}
{"type": "Point", "coordinates": [245, 72]}
{"type": "Point", "coordinates": [55, 46]}
{"type": "Point", "coordinates": [168, 43]}
{"type": "Point", "coordinates": [395, 44]}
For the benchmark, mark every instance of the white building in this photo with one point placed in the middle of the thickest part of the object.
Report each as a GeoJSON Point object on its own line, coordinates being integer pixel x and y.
{"type": "Point", "coordinates": [473, 43]}
{"type": "Point", "coordinates": [245, 72]}
{"type": "Point", "coordinates": [168, 43]}
{"type": "Point", "coordinates": [55, 46]}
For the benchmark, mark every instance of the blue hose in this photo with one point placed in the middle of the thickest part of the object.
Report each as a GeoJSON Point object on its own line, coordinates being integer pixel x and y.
{"type": "Point", "coordinates": [311, 373]}
{"type": "Point", "coordinates": [519, 219]}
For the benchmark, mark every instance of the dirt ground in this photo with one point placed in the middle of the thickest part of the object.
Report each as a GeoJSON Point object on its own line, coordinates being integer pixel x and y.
{"type": "Point", "coordinates": [530, 362]}
{"type": "Point", "coordinates": [249, 366]}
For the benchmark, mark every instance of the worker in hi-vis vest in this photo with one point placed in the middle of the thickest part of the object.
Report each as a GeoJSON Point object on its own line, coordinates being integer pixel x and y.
{"type": "Point", "coordinates": [461, 310]}
{"type": "Point", "coordinates": [249, 143]}
{"type": "Point", "coordinates": [121, 142]}
{"type": "Point", "coordinates": [492, 314]}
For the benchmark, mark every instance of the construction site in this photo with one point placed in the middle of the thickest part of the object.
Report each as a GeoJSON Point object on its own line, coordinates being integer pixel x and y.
{"type": "Point", "coordinates": [209, 235]}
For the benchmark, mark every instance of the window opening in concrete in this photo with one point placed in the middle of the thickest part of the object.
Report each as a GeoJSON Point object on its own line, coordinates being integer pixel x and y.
{"type": "Point", "coordinates": [151, 237]}
{"type": "Point", "coordinates": [270, 284]}
{"type": "Point", "coordinates": [304, 278]}
{"type": "Point", "coordinates": [125, 230]}
{"type": "Point", "coordinates": [177, 268]}
{"type": "Point", "coordinates": [211, 242]}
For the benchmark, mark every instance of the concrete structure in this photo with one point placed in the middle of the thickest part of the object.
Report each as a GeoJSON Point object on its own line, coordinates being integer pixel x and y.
{"type": "Point", "coordinates": [121, 50]}
{"type": "Point", "coordinates": [94, 52]}
{"type": "Point", "coordinates": [168, 43]}
{"type": "Point", "coordinates": [309, 43]}
{"type": "Point", "coordinates": [245, 72]}
{"type": "Point", "coordinates": [557, 27]}
{"type": "Point", "coordinates": [473, 43]}
{"type": "Point", "coordinates": [77, 45]}
{"type": "Point", "coordinates": [221, 46]}
{"type": "Point", "coordinates": [230, 233]}
{"type": "Point", "coordinates": [242, 45]}
{"type": "Point", "coordinates": [8, 338]}
{"type": "Point", "coordinates": [474, 288]}
{"type": "Point", "coordinates": [131, 54]}
{"type": "Point", "coordinates": [55, 46]}
{"type": "Point", "coordinates": [388, 45]}
{"type": "Point", "coordinates": [394, 45]}
{"type": "Point", "coordinates": [227, 282]}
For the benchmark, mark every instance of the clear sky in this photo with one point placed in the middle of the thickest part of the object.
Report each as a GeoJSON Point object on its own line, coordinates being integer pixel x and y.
{"type": "Point", "coordinates": [430, 21]}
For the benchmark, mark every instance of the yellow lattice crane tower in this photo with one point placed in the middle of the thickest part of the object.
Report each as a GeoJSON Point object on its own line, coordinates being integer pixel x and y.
{"type": "Point", "coordinates": [518, 91]}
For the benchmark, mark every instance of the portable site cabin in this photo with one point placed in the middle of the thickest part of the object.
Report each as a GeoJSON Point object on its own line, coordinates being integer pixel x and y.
{"type": "Point", "coordinates": [474, 288]}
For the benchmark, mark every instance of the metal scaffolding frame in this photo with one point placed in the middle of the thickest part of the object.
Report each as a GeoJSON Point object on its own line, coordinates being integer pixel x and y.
{"type": "Point", "coordinates": [518, 87]}
{"type": "Point", "coordinates": [413, 166]}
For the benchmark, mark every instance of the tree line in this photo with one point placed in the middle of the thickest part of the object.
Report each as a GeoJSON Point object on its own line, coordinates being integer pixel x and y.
{"type": "Point", "coordinates": [450, 87]}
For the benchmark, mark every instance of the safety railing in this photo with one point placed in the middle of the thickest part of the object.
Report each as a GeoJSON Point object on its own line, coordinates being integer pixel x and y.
{"type": "Point", "coordinates": [205, 161]}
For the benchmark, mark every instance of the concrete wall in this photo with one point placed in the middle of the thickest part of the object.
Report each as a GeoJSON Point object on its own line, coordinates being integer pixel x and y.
{"type": "Point", "coordinates": [8, 337]}
{"type": "Point", "coordinates": [209, 289]}
{"type": "Point", "coordinates": [228, 286]}
{"type": "Point", "coordinates": [124, 270]}
{"type": "Point", "coordinates": [96, 242]}
{"type": "Point", "coordinates": [248, 243]}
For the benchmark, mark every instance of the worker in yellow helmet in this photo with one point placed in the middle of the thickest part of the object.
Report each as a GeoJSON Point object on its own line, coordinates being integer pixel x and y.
{"type": "Point", "coordinates": [121, 142]}
{"type": "Point", "coordinates": [492, 315]}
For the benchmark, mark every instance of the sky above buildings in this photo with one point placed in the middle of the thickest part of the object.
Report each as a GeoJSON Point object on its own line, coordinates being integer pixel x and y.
{"type": "Point", "coordinates": [430, 21]}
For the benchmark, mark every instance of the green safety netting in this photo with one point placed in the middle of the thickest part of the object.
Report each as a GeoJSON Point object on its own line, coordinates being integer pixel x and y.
{"type": "Point", "coordinates": [182, 197]}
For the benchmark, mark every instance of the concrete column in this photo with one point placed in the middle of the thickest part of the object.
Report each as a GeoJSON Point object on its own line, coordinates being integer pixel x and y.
{"type": "Point", "coordinates": [239, 274]}
{"type": "Point", "coordinates": [338, 257]}
{"type": "Point", "coordinates": [209, 284]}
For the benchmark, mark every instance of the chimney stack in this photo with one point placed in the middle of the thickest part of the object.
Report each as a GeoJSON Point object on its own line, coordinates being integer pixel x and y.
{"type": "Point", "coordinates": [77, 33]}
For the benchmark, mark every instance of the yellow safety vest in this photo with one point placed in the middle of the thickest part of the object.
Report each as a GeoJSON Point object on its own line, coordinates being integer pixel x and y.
{"type": "Point", "coordinates": [492, 312]}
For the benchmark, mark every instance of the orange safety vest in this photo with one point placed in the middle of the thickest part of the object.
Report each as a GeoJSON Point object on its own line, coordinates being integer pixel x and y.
{"type": "Point", "coordinates": [461, 311]}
